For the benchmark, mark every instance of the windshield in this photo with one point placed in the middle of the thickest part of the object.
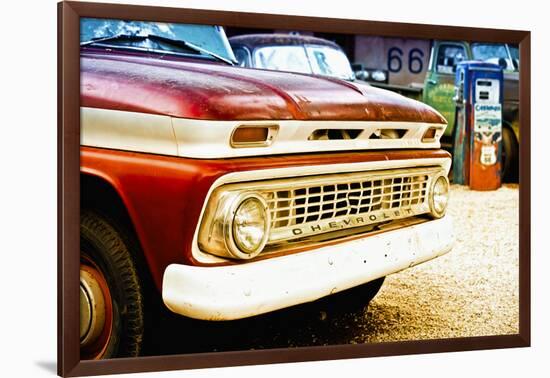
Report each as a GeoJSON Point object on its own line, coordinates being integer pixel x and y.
{"type": "Point", "coordinates": [210, 38]}
{"type": "Point", "coordinates": [310, 59]}
{"type": "Point", "coordinates": [329, 62]}
{"type": "Point", "coordinates": [492, 53]}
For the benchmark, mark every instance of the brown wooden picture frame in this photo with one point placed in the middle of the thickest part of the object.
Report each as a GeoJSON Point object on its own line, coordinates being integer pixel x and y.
{"type": "Point", "coordinates": [69, 363]}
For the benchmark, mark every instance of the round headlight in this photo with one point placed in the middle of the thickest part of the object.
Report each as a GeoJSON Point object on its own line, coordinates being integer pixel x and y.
{"type": "Point", "coordinates": [439, 196]}
{"type": "Point", "coordinates": [249, 227]}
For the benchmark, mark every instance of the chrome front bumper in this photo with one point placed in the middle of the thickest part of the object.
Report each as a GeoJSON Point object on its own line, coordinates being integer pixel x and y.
{"type": "Point", "coordinates": [248, 289]}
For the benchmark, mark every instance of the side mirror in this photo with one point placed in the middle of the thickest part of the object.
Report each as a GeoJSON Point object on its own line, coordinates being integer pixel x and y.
{"type": "Point", "coordinates": [502, 63]}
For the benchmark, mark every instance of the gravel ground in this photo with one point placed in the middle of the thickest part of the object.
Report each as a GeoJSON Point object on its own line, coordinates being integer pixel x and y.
{"type": "Point", "coordinates": [471, 291]}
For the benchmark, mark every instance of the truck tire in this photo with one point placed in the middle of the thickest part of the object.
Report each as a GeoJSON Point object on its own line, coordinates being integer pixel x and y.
{"type": "Point", "coordinates": [111, 298]}
{"type": "Point", "coordinates": [510, 162]}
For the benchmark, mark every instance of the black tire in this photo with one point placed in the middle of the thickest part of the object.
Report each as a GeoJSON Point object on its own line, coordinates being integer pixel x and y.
{"type": "Point", "coordinates": [354, 299]}
{"type": "Point", "coordinates": [510, 153]}
{"type": "Point", "coordinates": [105, 248]}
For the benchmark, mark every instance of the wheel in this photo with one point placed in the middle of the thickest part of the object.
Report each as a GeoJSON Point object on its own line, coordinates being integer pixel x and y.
{"type": "Point", "coordinates": [111, 299]}
{"type": "Point", "coordinates": [509, 156]}
{"type": "Point", "coordinates": [354, 299]}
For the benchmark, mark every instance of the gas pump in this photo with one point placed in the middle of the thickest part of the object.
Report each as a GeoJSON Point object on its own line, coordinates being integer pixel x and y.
{"type": "Point", "coordinates": [477, 139]}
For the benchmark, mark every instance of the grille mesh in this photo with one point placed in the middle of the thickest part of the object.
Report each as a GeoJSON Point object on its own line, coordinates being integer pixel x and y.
{"type": "Point", "coordinates": [304, 204]}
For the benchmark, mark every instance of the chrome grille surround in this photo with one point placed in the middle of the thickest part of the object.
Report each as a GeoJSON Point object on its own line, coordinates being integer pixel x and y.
{"type": "Point", "coordinates": [305, 207]}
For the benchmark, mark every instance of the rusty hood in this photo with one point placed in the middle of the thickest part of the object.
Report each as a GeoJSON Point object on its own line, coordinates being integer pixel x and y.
{"type": "Point", "coordinates": [209, 91]}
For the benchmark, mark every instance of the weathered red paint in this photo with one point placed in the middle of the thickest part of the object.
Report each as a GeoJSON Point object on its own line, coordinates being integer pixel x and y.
{"type": "Point", "coordinates": [164, 195]}
{"type": "Point", "coordinates": [192, 89]}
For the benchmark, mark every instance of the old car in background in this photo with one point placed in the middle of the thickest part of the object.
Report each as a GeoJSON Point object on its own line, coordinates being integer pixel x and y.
{"type": "Point", "coordinates": [223, 192]}
{"type": "Point", "coordinates": [425, 70]}
{"type": "Point", "coordinates": [439, 89]}
{"type": "Point", "coordinates": [298, 53]}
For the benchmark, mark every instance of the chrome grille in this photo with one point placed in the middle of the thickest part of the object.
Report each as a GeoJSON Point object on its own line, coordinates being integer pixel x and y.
{"type": "Point", "coordinates": [317, 208]}
{"type": "Point", "coordinates": [372, 197]}
{"type": "Point", "coordinates": [314, 203]}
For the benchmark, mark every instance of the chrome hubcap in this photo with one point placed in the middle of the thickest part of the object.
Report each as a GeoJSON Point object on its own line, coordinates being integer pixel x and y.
{"type": "Point", "coordinates": [92, 306]}
{"type": "Point", "coordinates": [85, 313]}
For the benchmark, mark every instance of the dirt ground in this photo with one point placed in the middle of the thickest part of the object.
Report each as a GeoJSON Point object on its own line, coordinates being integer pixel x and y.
{"type": "Point", "coordinates": [471, 291]}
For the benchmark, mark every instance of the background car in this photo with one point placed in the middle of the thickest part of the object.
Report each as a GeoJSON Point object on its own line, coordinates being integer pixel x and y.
{"type": "Point", "coordinates": [298, 53]}
{"type": "Point", "coordinates": [439, 89]}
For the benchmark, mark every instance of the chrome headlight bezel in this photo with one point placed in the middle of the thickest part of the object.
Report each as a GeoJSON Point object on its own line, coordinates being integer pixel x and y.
{"type": "Point", "coordinates": [433, 208]}
{"type": "Point", "coordinates": [228, 225]}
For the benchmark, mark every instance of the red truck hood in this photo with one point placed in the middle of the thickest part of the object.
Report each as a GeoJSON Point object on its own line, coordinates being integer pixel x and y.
{"type": "Point", "coordinates": [191, 89]}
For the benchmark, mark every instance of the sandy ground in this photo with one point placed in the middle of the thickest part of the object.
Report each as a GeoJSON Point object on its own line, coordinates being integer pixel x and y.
{"type": "Point", "coordinates": [471, 291]}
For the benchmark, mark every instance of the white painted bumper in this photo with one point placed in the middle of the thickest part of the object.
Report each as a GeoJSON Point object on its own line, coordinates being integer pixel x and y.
{"type": "Point", "coordinates": [240, 291]}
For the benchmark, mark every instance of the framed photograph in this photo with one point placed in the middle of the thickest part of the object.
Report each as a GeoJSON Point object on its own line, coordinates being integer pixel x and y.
{"type": "Point", "coordinates": [240, 188]}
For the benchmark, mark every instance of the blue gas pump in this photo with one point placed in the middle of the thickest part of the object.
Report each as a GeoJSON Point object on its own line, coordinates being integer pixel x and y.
{"type": "Point", "coordinates": [477, 139]}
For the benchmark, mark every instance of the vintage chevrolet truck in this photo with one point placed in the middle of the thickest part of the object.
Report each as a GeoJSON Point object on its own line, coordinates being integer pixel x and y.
{"type": "Point", "coordinates": [223, 192]}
